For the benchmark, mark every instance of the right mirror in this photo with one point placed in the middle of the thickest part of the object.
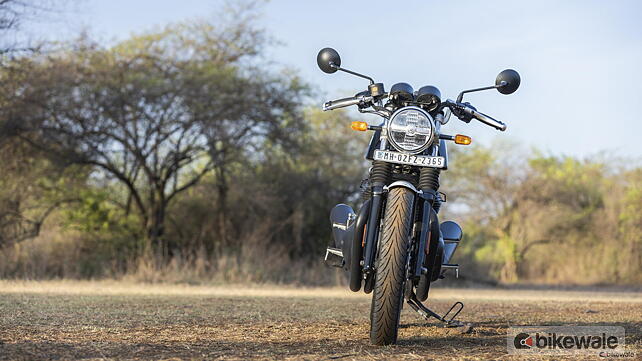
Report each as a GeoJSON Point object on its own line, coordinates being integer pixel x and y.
{"type": "Point", "coordinates": [328, 60]}
{"type": "Point", "coordinates": [510, 80]}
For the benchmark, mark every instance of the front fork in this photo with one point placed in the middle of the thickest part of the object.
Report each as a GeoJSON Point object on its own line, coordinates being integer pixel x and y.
{"type": "Point", "coordinates": [379, 176]}
{"type": "Point", "coordinates": [428, 202]}
{"type": "Point", "coordinates": [372, 230]}
{"type": "Point", "coordinates": [429, 235]}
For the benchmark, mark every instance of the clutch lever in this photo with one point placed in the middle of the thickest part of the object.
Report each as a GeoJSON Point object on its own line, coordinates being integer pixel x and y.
{"type": "Point", "coordinates": [345, 102]}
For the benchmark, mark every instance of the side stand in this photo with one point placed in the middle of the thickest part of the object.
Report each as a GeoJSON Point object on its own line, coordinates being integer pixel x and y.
{"type": "Point", "coordinates": [427, 313]}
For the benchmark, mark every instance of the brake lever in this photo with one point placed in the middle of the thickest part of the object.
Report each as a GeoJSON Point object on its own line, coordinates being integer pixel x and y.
{"type": "Point", "coordinates": [458, 110]}
{"type": "Point", "coordinates": [467, 112]}
{"type": "Point", "coordinates": [486, 119]}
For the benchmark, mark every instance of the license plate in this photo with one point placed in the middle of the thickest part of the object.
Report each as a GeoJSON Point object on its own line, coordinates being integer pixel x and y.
{"type": "Point", "coordinates": [418, 160]}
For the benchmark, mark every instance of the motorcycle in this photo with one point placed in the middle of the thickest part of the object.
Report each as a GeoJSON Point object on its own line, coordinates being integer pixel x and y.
{"type": "Point", "coordinates": [394, 246]}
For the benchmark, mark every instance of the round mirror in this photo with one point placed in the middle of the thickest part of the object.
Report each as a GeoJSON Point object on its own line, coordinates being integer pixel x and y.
{"type": "Point", "coordinates": [510, 80]}
{"type": "Point", "coordinates": [328, 57]}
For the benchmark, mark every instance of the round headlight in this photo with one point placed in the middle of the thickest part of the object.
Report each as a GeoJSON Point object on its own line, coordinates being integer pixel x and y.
{"type": "Point", "coordinates": [411, 129]}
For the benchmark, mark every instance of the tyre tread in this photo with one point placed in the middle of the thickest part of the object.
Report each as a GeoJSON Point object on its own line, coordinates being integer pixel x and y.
{"type": "Point", "coordinates": [391, 267]}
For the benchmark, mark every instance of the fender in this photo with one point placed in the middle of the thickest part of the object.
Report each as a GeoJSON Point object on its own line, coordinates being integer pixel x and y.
{"type": "Point", "coordinates": [404, 184]}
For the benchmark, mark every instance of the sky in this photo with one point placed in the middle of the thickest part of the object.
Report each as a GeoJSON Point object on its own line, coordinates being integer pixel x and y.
{"type": "Point", "coordinates": [580, 61]}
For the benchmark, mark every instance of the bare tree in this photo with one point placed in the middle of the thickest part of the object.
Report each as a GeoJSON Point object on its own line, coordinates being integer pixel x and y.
{"type": "Point", "coordinates": [13, 14]}
{"type": "Point", "coordinates": [155, 113]}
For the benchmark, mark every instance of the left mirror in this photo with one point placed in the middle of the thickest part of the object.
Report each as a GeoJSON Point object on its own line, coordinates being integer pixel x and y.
{"type": "Point", "coordinates": [328, 60]}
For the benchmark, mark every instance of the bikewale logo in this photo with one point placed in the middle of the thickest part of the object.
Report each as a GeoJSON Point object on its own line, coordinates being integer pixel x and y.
{"type": "Point", "coordinates": [565, 339]}
{"type": "Point", "coordinates": [553, 341]}
{"type": "Point", "coordinates": [523, 340]}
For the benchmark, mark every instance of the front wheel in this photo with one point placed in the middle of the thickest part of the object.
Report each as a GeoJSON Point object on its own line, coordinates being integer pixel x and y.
{"type": "Point", "coordinates": [390, 266]}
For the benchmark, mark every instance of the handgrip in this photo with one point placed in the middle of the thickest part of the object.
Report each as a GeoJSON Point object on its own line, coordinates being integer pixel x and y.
{"type": "Point", "coordinates": [345, 102]}
{"type": "Point", "coordinates": [486, 119]}
{"type": "Point", "coordinates": [340, 103]}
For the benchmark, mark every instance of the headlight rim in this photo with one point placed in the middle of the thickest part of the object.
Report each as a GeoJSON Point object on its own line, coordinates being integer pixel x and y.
{"type": "Point", "coordinates": [433, 130]}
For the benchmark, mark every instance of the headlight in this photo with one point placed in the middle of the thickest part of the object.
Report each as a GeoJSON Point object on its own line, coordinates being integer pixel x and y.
{"type": "Point", "coordinates": [411, 129]}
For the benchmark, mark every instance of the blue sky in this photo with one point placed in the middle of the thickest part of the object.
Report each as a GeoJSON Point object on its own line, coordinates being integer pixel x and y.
{"type": "Point", "coordinates": [580, 61]}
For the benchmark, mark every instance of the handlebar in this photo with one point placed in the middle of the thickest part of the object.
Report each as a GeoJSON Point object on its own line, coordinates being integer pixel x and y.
{"type": "Point", "coordinates": [458, 108]}
{"type": "Point", "coordinates": [346, 102]}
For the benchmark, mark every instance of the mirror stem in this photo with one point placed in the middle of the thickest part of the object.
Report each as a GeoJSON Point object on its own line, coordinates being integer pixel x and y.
{"type": "Point", "coordinates": [461, 95]}
{"type": "Point", "coordinates": [352, 72]}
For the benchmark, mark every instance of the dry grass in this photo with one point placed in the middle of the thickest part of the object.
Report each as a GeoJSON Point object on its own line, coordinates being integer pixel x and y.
{"type": "Point", "coordinates": [115, 320]}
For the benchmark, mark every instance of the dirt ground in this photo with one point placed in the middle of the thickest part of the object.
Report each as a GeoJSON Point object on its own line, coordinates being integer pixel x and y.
{"type": "Point", "coordinates": [111, 320]}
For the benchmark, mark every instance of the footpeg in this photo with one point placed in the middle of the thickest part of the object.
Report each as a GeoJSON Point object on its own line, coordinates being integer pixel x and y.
{"type": "Point", "coordinates": [427, 313]}
{"type": "Point", "coordinates": [334, 257]}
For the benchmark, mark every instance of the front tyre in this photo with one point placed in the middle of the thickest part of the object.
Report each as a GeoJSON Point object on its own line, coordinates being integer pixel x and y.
{"type": "Point", "coordinates": [390, 266]}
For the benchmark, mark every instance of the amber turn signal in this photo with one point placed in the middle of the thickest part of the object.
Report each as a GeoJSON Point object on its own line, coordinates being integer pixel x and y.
{"type": "Point", "coordinates": [360, 126]}
{"type": "Point", "coordinates": [463, 139]}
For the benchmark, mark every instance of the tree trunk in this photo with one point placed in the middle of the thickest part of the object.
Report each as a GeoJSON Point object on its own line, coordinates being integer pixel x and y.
{"type": "Point", "coordinates": [155, 243]}
{"type": "Point", "coordinates": [222, 189]}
